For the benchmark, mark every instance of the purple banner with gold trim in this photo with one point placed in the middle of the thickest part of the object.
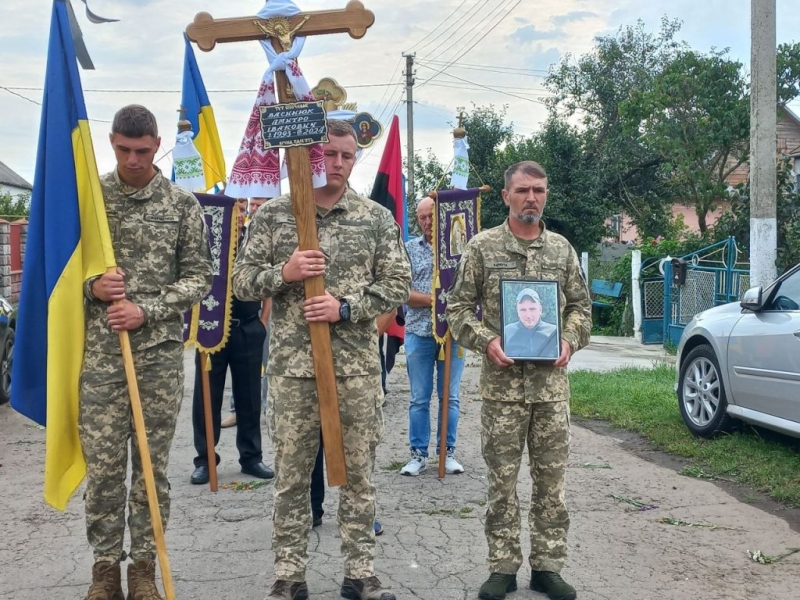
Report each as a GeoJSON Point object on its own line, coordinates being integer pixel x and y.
{"type": "Point", "coordinates": [456, 220]}
{"type": "Point", "coordinates": [207, 324]}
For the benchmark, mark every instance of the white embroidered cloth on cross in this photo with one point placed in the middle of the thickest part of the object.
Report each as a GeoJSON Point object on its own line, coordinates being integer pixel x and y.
{"type": "Point", "coordinates": [257, 171]}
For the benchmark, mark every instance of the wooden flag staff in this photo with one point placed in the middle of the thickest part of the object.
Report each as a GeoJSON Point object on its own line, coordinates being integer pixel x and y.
{"type": "Point", "coordinates": [147, 464]}
{"type": "Point", "coordinates": [355, 20]}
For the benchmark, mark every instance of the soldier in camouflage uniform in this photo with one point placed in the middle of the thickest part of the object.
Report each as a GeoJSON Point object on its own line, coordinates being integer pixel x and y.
{"type": "Point", "coordinates": [522, 402]}
{"type": "Point", "coordinates": [164, 267]}
{"type": "Point", "coordinates": [367, 273]}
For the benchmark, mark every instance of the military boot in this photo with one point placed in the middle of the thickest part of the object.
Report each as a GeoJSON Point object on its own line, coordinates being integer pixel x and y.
{"type": "Point", "coordinates": [105, 582]}
{"type": "Point", "coordinates": [365, 589]}
{"type": "Point", "coordinates": [288, 590]}
{"type": "Point", "coordinates": [497, 586]}
{"type": "Point", "coordinates": [142, 581]}
{"type": "Point", "coordinates": [551, 584]}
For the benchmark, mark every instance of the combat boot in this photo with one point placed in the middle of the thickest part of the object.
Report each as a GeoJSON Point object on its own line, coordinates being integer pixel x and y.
{"type": "Point", "coordinates": [551, 584]}
{"type": "Point", "coordinates": [288, 590]}
{"type": "Point", "coordinates": [105, 582]}
{"type": "Point", "coordinates": [497, 586]}
{"type": "Point", "coordinates": [142, 581]}
{"type": "Point", "coordinates": [365, 589]}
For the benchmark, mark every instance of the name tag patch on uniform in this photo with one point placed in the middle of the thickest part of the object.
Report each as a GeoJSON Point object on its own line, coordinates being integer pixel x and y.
{"type": "Point", "coordinates": [162, 218]}
{"type": "Point", "coordinates": [502, 264]}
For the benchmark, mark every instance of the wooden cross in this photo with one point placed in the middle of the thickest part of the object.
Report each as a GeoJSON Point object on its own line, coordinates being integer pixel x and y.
{"type": "Point", "coordinates": [354, 19]}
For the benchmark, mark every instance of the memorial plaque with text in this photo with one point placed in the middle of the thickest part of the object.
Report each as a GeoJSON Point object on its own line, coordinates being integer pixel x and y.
{"type": "Point", "coordinates": [295, 124]}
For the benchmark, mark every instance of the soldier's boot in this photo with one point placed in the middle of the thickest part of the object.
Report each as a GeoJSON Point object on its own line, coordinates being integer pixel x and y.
{"type": "Point", "coordinates": [497, 586]}
{"type": "Point", "coordinates": [142, 581]}
{"type": "Point", "coordinates": [365, 589]}
{"type": "Point", "coordinates": [105, 582]}
{"type": "Point", "coordinates": [288, 590]}
{"type": "Point", "coordinates": [551, 584]}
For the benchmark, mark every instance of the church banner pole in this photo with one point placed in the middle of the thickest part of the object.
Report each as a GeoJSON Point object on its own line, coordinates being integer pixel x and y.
{"type": "Point", "coordinates": [445, 404]}
{"type": "Point", "coordinates": [211, 452]}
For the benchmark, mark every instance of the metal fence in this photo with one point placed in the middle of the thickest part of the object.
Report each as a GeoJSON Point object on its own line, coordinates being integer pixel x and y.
{"type": "Point", "coordinates": [717, 274]}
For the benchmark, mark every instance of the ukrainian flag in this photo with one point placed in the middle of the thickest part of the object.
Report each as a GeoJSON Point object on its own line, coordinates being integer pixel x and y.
{"type": "Point", "coordinates": [68, 241]}
{"type": "Point", "coordinates": [199, 113]}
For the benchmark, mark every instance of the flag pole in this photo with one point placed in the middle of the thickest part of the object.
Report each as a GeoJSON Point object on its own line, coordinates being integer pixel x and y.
{"type": "Point", "coordinates": [211, 453]}
{"type": "Point", "coordinates": [147, 465]}
{"type": "Point", "coordinates": [445, 404]}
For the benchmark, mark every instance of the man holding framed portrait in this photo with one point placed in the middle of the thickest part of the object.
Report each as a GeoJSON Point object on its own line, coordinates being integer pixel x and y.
{"type": "Point", "coordinates": [536, 314]}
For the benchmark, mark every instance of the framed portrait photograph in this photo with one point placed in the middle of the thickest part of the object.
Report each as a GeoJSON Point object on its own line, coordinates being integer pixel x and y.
{"type": "Point", "coordinates": [531, 327]}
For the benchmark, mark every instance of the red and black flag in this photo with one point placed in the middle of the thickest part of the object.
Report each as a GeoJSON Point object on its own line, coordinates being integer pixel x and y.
{"type": "Point", "coordinates": [389, 191]}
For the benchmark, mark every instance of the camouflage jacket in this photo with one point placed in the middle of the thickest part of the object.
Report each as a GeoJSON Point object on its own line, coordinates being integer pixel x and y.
{"type": "Point", "coordinates": [161, 244]}
{"type": "Point", "coordinates": [366, 264]}
{"type": "Point", "coordinates": [494, 254]}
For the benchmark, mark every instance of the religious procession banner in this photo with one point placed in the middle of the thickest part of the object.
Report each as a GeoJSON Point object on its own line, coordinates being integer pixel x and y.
{"type": "Point", "coordinates": [207, 324]}
{"type": "Point", "coordinates": [456, 220]}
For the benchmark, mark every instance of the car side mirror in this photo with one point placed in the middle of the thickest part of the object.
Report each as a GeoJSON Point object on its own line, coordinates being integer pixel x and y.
{"type": "Point", "coordinates": [752, 299]}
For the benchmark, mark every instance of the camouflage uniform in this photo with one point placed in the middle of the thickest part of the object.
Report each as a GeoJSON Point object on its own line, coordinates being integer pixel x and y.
{"type": "Point", "coordinates": [526, 402]}
{"type": "Point", "coordinates": [366, 263]}
{"type": "Point", "coordinates": [160, 243]}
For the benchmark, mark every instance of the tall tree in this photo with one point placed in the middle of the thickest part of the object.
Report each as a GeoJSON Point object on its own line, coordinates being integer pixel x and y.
{"type": "Point", "coordinates": [695, 116]}
{"type": "Point", "coordinates": [591, 89]}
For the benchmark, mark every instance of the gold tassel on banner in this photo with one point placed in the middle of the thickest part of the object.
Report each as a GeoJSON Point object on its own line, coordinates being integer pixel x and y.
{"type": "Point", "coordinates": [207, 366]}
{"type": "Point", "coordinates": [460, 352]}
{"type": "Point", "coordinates": [441, 352]}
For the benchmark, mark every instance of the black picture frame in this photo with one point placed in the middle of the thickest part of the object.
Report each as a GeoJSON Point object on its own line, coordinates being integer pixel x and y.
{"type": "Point", "coordinates": [526, 335]}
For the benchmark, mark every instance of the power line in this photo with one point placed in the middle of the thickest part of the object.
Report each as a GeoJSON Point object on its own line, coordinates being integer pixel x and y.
{"type": "Point", "coordinates": [445, 20]}
{"type": "Point", "coordinates": [477, 40]}
{"type": "Point", "coordinates": [520, 89]}
{"type": "Point", "coordinates": [37, 103]}
{"type": "Point", "coordinates": [469, 31]}
{"type": "Point", "coordinates": [496, 69]}
{"type": "Point", "coordinates": [457, 24]}
{"type": "Point", "coordinates": [486, 87]}
{"type": "Point", "coordinates": [227, 91]}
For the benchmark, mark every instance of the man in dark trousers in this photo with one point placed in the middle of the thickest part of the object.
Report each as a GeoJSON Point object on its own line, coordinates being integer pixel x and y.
{"type": "Point", "coordinates": [242, 354]}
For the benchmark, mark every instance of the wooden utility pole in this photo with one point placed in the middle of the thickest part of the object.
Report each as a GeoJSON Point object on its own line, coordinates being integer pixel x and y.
{"type": "Point", "coordinates": [410, 121]}
{"type": "Point", "coordinates": [355, 20]}
{"type": "Point", "coordinates": [763, 138]}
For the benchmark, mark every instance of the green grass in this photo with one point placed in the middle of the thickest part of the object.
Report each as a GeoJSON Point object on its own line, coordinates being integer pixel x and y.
{"type": "Point", "coordinates": [643, 400]}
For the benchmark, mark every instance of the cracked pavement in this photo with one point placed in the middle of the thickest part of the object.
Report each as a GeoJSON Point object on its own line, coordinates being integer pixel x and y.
{"type": "Point", "coordinates": [433, 547]}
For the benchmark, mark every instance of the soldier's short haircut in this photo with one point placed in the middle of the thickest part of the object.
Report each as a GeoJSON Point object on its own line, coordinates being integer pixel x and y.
{"type": "Point", "coordinates": [529, 167]}
{"type": "Point", "coordinates": [341, 128]}
{"type": "Point", "coordinates": [134, 121]}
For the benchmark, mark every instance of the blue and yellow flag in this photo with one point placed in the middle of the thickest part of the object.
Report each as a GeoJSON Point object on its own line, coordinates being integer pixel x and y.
{"type": "Point", "coordinates": [68, 241]}
{"type": "Point", "coordinates": [199, 113]}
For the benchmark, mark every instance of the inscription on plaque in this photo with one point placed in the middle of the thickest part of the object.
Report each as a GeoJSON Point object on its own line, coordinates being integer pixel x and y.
{"type": "Point", "coordinates": [295, 124]}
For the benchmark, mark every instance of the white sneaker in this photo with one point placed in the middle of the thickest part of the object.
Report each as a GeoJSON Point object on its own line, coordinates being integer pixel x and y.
{"type": "Point", "coordinates": [416, 465]}
{"type": "Point", "coordinates": [451, 465]}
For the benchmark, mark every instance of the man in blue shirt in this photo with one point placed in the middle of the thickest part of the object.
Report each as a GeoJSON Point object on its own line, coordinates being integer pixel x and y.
{"type": "Point", "coordinates": [421, 356]}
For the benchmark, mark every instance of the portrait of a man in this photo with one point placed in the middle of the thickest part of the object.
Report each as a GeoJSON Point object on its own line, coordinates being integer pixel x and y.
{"type": "Point", "coordinates": [529, 336]}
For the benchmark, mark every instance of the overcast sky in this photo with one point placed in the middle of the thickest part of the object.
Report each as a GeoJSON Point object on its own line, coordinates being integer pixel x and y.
{"type": "Point", "coordinates": [507, 45]}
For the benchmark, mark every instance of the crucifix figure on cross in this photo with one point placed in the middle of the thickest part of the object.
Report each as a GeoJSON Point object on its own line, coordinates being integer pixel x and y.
{"type": "Point", "coordinates": [280, 30]}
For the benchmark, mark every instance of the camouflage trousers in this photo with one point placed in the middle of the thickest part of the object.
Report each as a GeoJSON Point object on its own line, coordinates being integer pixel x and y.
{"type": "Point", "coordinates": [506, 427]}
{"type": "Point", "coordinates": [106, 424]}
{"type": "Point", "coordinates": [294, 424]}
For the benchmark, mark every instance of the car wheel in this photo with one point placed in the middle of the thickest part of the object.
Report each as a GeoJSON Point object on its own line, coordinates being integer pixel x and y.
{"type": "Point", "coordinates": [701, 394]}
{"type": "Point", "coordinates": [5, 368]}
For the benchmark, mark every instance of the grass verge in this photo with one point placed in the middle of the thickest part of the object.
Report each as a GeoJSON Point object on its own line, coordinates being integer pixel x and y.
{"type": "Point", "coordinates": [643, 400]}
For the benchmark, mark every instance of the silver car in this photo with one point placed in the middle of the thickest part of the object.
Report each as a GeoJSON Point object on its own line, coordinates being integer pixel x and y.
{"type": "Point", "coordinates": [742, 361]}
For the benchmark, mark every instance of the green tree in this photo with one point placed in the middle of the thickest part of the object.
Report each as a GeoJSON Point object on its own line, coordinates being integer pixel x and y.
{"type": "Point", "coordinates": [15, 206]}
{"type": "Point", "coordinates": [695, 116]}
{"type": "Point", "coordinates": [626, 174]}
